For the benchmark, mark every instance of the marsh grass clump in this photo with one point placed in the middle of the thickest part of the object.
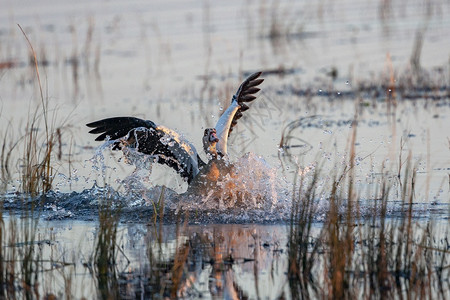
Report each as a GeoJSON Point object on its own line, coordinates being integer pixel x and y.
{"type": "Point", "coordinates": [28, 260]}
{"type": "Point", "coordinates": [303, 250]}
{"type": "Point", "coordinates": [8, 146]}
{"type": "Point", "coordinates": [21, 261]}
{"type": "Point", "coordinates": [105, 261]}
{"type": "Point", "coordinates": [353, 256]}
{"type": "Point", "coordinates": [400, 256]}
{"type": "Point", "coordinates": [37, 170]}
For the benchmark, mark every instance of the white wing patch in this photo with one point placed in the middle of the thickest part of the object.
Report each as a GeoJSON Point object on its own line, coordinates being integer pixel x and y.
{"type": "Point", "coordinates": [185, 153]}
{"type": "Point", "coordinates": [171, 138]}
{"type": "Point", "coordinates": [223, 126]}
{"type": "Point", "coordinates": [245, 94]}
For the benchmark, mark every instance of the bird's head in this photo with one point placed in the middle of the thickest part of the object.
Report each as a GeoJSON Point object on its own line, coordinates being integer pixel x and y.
{"type": "Point", "coordinates": [210, 140]}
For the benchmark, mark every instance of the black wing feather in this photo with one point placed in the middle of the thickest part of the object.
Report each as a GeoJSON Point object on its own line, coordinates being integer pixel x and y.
{"type": "Point", "coordinates": [244, 94]}
{"type": "Point", "coordinates": [145, 136]}
{"type": "Point", "coordinates": [117, 127]}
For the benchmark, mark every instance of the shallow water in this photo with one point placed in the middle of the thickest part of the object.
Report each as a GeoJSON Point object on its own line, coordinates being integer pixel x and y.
{"type": "Point", "coordinates": [214, 261]}
{"type": "Point", "coordinates": [256, 251]}
{"type": "Point", "coordinates": [177, 64]}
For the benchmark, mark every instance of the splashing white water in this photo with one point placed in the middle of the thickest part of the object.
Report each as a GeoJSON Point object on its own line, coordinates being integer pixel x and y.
{"type": "Point", "coordinates": [251, 184]}
{"type": "Point", "coordinates": [248, 186]}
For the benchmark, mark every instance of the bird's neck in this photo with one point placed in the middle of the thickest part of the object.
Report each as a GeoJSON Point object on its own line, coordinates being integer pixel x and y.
{"type": "Point", "coordinates": [211, 151]}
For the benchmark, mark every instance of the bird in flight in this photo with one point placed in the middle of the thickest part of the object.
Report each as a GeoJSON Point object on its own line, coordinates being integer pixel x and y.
{"type": "Point", "coordinates": [169, 147]}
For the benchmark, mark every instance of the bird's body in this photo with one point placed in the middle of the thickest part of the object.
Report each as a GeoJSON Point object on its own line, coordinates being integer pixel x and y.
{"type": "Point", "coordinates": [172, 149]}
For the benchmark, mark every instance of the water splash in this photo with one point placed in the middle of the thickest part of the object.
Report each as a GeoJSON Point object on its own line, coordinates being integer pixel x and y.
{"type": "Point", "coordinates": [250, 190]}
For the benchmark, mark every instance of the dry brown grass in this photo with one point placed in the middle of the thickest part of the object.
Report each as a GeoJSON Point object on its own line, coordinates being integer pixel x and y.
{"type": "Point", "coordinates": [354, 257]}
{"type": "Point", "coordinates": [39, 148]}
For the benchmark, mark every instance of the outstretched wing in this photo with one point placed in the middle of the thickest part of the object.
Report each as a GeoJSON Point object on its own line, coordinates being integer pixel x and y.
{"type": "Point", "coordinates": [229, 118]}
{"type": "Point", "coordinates": [166, 145]}
{"type": "Point", "coordinates": [114, 128]}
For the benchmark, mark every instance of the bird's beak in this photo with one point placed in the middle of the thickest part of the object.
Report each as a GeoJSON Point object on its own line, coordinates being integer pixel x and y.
{"type": "Point", "coordinates": [213, 138]}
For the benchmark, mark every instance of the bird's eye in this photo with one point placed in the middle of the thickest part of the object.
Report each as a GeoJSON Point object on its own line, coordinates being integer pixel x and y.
{"type": "Point", "coordinates": [206, 132]}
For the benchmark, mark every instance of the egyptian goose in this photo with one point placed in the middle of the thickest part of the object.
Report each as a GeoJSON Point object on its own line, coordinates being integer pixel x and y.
{"type": "Point", "coordinates": [170, 148]}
